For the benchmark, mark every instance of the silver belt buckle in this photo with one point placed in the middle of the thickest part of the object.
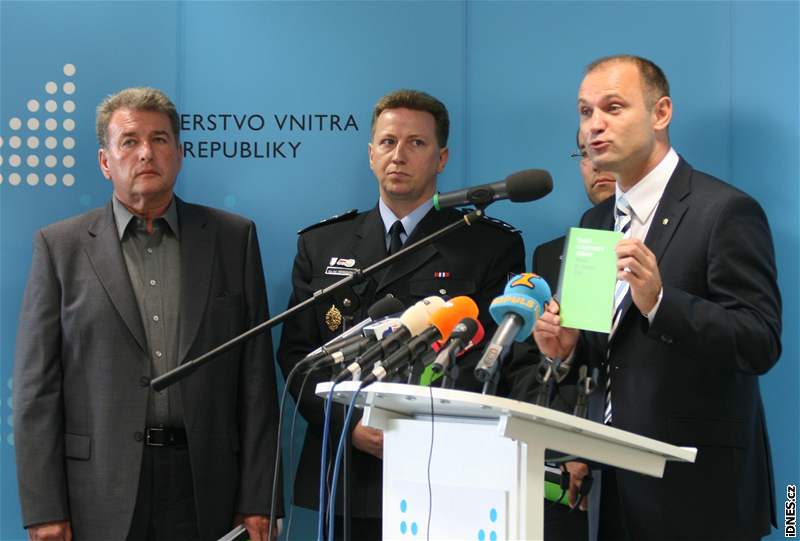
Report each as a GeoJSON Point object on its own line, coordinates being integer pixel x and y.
{"type": "Point", "coordinates": [150, 431]}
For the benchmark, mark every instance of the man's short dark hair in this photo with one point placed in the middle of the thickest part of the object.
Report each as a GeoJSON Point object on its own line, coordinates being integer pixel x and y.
{"type": "Point", "coordinates": [417, 101]}
{"type": "Point", "coordinates": [135, 99]}
{"type": "Point", "coordinates": [655, 82]}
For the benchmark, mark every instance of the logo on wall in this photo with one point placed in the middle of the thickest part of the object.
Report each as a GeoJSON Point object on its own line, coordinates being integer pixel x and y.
{"type": "Point", "coordinates": [38, 146]}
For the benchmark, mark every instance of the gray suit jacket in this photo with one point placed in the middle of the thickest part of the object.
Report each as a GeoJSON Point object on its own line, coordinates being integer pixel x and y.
{"type": "Point", "coordinates": [82, 372]}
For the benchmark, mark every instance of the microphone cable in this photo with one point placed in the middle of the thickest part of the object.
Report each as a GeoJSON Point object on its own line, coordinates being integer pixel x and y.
{"type": "Point", "coordinates": [277, 467]}
{"type": "Point", "coordinates": [338, 462]}
{"type": "Point", "coordinates": [292, 426]}
{"type": "Point", "coordinates": [430, 459]}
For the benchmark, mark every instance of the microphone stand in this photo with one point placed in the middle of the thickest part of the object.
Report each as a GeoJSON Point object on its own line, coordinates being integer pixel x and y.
{"type": "Point", "coordinates": [173, 376]}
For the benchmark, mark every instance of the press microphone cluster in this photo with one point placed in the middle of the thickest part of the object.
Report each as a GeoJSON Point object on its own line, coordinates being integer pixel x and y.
{"type": "Point", "coordinates": [441, 323]}
{"type": "Point", "coordinates": [515, 312]}
{"type": "Point", "coordinates": [520, 187]}
{"type": "Point", "coordinates": [413, 321]}
{"type": "Point", "coordinates": [347, 346]}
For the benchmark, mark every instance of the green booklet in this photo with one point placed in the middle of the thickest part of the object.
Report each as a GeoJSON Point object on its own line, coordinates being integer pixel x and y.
{"type": "Point", "coordinates": [587, 280]}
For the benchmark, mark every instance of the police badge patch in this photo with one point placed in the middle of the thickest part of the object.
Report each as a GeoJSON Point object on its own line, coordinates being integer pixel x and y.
{"type": "Point", "coordinates": [333, 318]}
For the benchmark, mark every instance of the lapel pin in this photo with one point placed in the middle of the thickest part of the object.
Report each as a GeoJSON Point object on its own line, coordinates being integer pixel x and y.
{"type": "Point", "coordinates": [665, 221]}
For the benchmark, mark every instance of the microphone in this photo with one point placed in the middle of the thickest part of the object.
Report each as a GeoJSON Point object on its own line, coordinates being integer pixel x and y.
{"type": "Point", "coordinates": [515, 312]}
{"type": "Point", "coordinates": [520, 187]}
{"type": "Point", "coordinates": [413, 321]}
{"type": "Point", "coordinates": [379, 310]}
{"type": "Point", "coordinates": [351, 347]}
{"type": "Point", "coordinates": [464, 336]}
{"type": "Point", "coordinates": [442, 323]}
{"type": "Point", "coordinates": [586, 386]}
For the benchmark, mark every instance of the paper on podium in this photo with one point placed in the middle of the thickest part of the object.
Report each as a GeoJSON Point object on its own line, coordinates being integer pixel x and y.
{"type": "Point", "coordinates": [587, 280]}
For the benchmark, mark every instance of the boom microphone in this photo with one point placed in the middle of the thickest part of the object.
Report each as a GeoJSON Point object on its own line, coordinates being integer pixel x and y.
{"type": "Point", "coordinates": [520, 187]}
{"type": "Point", "coordinates": [515, 312]}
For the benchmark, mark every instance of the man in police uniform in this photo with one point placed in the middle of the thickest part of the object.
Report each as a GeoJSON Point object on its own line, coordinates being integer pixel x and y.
{"type": "Point", "coordinates": [407, 152]}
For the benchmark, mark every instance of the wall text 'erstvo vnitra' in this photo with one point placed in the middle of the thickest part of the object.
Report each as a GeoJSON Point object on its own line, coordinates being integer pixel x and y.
{"type": "Point", "coordinates": [258, 144]}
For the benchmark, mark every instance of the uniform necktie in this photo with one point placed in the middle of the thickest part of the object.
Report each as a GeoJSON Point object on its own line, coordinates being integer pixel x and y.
{"type": "Point", "coordinates": [395, 231]}
{"type": "Point", "coordinates": [622, 224]}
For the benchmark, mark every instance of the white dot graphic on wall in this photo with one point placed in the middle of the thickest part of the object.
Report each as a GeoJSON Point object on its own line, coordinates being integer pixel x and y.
{"type": "Point", "coordinates": [49, 107]}
{"type": "Point", "coordinates": [1, 160]}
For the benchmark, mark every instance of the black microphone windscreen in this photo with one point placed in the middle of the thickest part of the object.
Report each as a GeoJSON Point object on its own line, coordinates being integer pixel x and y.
{"type": "Point", "coordinates": [466, 329]}
{"type": "Point", "coordinates": [384, 307]}
{"type": "Point", "coordinates": [528, 185]}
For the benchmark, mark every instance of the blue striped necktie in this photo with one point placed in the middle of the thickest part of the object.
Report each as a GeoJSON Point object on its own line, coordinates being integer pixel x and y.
{"type": "Point", "coordinates": [622, 224]}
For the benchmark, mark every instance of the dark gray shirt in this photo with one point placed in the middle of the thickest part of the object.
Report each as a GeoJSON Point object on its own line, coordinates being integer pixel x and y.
{"type": "Point", "coordinates": [153, 262]}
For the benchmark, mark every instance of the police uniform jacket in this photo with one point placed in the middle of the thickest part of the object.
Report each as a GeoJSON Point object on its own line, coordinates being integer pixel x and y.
{"type": "Point", "coordinates": [474, 260]}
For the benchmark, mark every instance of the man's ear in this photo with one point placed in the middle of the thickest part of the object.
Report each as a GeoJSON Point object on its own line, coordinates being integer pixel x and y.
{"type": "Point", "coordinates": [102, 160]}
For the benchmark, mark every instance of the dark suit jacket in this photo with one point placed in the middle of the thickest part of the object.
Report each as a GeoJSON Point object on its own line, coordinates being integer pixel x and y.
{"type": "Point", "coordinates": [82, 373]}
{"type": "Point", "coordinates": [691, 378]}
{"type": "Point", "coordinates": [478, 259]}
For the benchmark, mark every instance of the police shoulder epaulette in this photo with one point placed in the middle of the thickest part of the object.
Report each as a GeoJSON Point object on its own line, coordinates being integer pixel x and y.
{"type": "Point", "coordinates": [491, 221]}
{"type": "Point", "coordinates": [501, 224]}
{"type": "Point", "coordinates": [332, 220]}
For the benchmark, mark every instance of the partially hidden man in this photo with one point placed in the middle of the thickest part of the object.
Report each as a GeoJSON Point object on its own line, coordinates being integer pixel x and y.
{"type": "Point", "coordinates": [407, 151]}
{"type": "Point", "coordinates": [120, 295]}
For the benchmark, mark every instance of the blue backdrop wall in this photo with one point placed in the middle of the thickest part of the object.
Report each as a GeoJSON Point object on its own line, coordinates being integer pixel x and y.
{"type": "Point", "coordinates": [508, 71]}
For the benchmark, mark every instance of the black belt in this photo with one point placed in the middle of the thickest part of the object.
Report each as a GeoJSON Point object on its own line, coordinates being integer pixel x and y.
{"type": "Point", "coordinates": [164, 436]}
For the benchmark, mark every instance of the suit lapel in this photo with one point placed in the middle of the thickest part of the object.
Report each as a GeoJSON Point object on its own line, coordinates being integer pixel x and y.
{"type": "Point", "coordinates": [197, 256]}
{"type": "Point", "coordinates": [430, 223]}
{"type": "Point", "coordinates": [105, 254]}
{"type": "Point", "coordinates": [669, 212]}
{"type": "Point", "coordinates": [369, 244]}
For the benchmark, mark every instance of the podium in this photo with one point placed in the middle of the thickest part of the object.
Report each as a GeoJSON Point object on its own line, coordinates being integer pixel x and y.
{"type": "Point", "coordinates": [485, 456]}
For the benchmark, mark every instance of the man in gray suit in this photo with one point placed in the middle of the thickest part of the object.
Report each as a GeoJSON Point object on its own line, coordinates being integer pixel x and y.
{"type": "Point", "coordinates": [118, 296]}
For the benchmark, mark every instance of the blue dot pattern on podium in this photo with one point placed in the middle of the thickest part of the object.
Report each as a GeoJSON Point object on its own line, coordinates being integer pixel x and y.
{"type": "Point", "coordinates": [493, 533]}
{"type": "Point", "coordinates": [404, 528]}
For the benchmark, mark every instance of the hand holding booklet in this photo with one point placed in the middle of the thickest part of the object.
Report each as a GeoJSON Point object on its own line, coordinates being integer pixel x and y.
{"type": "Point", "coordinates": [588, 278]}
